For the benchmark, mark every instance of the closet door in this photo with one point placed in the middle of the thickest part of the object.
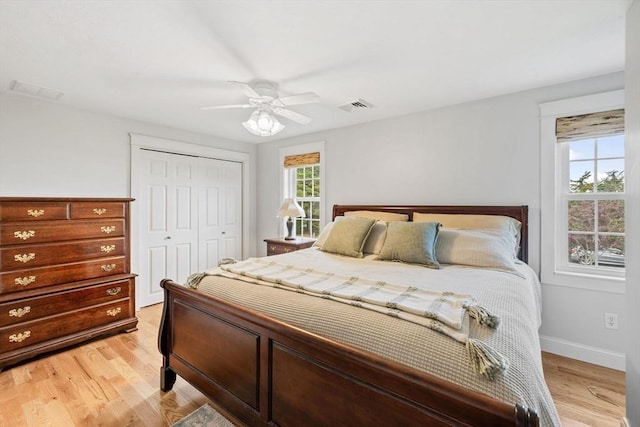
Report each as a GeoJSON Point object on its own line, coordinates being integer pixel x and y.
{"type": "Point", "coordinates": [220, 214]}
{"type": "Point", "coordinates": [168, 222]}
{"type": "Point", "coordinates": [190, 216]}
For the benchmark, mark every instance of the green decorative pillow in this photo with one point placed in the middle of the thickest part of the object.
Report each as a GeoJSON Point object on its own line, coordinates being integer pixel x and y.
{"type": "Point", "coordinates": [347, 236]}
{"type": "Point", "coordinates": [411, 242]}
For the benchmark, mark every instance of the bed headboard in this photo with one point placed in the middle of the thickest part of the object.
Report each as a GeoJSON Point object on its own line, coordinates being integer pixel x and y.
{"type": "Point", "coordinates": [520, 213]}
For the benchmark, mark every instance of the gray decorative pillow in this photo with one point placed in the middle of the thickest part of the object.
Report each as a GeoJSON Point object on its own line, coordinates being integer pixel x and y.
{"type": "Point", "coordinates": [348, 235]}
{"type": "Point", "coordinates": [411, 242]}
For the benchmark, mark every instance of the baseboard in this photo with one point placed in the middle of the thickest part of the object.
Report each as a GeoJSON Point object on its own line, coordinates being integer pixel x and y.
{"type": "Point", "coordinates": [595, 355]}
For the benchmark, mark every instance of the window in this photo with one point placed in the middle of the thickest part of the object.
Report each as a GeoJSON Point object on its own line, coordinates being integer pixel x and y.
{"type": "Point", "coordinates": [306, 181]}
{"type": "Point", "coordinates": [302, 180]}
{"type": "Point", "coordinates": [594, 197]}
{"type": "Point", "coordinates": [583, 230]}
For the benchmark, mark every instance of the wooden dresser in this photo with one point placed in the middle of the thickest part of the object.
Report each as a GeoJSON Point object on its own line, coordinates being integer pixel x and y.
{"type": "Point", "coordinates": [64, 273]}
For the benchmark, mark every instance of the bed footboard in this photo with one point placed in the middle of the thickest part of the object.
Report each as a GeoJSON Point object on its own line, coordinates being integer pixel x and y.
{"type": "Point", "coordinates": [265, 372]}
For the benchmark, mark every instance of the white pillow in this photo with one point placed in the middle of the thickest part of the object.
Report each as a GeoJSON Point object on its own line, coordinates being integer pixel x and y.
{"type": "Point", "coordinates": [478, 248]}
{"type": "Point", "coordinates": [375, 241]}
{"type": "Point", "coordinates": [379, 215]}
{"type": "Point", "coordinates": [475, 222]}
{"type": "Point", "coordinates": [324, 234]}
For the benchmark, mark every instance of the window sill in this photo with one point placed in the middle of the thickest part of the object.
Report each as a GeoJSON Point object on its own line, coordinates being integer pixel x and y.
{"type": "Point", "coordinates": [593, 282]}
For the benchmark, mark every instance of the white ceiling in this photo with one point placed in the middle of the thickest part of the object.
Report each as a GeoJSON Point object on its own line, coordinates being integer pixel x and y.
{"type": "Point", "coordinates": [159, 61]}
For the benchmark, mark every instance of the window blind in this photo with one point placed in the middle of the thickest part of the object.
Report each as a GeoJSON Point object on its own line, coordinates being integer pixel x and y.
{"type": "Point", "coordinates": [298, 160]}
{"type": "Point", "coordinates": [591, 125]}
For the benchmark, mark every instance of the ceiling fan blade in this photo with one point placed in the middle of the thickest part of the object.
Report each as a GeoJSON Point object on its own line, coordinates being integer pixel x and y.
{"type": "Point", "coordinates": [224, 107]}
{"type": "Point", "coordinates": [302, 98]}
{"type": "Point", "coordinates": [292, 115]}
{"type": "Point", "coordinates": [246, 89]}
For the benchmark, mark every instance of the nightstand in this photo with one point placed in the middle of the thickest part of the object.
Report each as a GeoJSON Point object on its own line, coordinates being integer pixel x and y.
{"type": "Point", "coordinates": [282, 246]}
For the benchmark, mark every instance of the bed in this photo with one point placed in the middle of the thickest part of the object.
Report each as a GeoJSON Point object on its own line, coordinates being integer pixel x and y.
{"type": "Point", "coordinates": [271, 356]}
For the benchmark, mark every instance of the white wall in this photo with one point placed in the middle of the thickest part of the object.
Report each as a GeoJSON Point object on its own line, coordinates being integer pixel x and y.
{"type": "Point", "coordinates": [484, 152]}
{"type": "Point", "coordinates": [632, 171]}
{"type": "Point", "coordinates": [49, 150]}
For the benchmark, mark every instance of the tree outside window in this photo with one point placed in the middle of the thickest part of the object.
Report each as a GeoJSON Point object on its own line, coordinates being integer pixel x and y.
{"type": "Point", "coordinates": [307, 193]}
{"type": "Point", "coordinates": [595, 202]}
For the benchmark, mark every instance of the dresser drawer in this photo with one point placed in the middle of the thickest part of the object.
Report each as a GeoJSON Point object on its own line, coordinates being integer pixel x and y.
{"type": "Point", "coordinates": [28, 333]}
{"type": "Point", "coordinates": [284, 246]}
{"type": "Point", "coordinates": [273, 249]}
{"type": "Point", "coordinates": [21, 280]}
{"type": "Point", "coordinates": [27, 309]}
{"type": "Point", "coordinates": [55, 231]}
{"type": "Point", "coordinates": [33, 211]}
{"type": "Point", "coordinates": [24, 257]}
{"type": "Point", "coordinates": [92, 210]}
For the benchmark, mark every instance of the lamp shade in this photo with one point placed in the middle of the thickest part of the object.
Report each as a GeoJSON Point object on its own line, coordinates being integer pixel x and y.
{"type": "Point", "coordinates": [290, 208]}
{"type": "Point", "coordinates": [261, 123]}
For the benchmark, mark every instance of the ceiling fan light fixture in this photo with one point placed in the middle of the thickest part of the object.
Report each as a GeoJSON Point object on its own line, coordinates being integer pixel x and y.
{"type": "Point", "coordinates": [261, 123]}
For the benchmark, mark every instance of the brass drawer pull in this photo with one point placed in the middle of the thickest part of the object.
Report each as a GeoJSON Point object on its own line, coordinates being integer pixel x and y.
{"type": "Point", "coordinates": [24, 257]}
{"type": "Point", "coordinates": [99, 211]}
{"type": "Point", "coordinates": [24, 281]}
{"type": "Point", "coordinates": [35, 212]}
{"type": "Point", "coordinates": [114, 311]}
{"type": "Point", "coordinates": [19, 312]}
{"type": "Point", "coordinates": [108, 267]}
{"type": "Point", "coordinates": [20, 336]}
{"type": "Point", "coordinates": [24, 235]}
{"type": "Point", "coordinates": [114, 291]}
{"type": "Point", "coordinates": [108, 248]}
{"type": "Point", "coordinates": [108, 229]}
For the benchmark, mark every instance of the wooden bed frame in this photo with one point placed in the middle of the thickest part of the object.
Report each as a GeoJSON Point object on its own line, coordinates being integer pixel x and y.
{"type": "Point", "coordinates": [267, 373]}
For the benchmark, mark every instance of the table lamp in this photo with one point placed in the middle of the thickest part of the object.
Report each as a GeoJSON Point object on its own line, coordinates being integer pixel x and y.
{"type": "Point", "coordinates": [291, 209]}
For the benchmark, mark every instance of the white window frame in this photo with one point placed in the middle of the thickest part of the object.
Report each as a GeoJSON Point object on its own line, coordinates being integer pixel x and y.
{"type": "Point", "coordinates": [287, 179]}
{"type": "Point", "coordinates": [293, 185]}
{"type": "Point", "coordinates": [555, 268]}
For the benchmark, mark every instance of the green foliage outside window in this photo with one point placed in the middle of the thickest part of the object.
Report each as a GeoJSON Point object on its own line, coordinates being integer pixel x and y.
{"type": "Point", "coordinates": [307, 187]}
{"type": "Point", "coordinates": [596, 224]}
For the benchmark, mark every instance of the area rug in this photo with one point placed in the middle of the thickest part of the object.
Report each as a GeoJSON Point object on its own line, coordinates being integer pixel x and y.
{"type": "Point", "coordinates": [204, 416]}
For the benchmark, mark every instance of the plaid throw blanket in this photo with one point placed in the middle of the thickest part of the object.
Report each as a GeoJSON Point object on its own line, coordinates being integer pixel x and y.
{"type": "Point", "coordinates": [444, 312]}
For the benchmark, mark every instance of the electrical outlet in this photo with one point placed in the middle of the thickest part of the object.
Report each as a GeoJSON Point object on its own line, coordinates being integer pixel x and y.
{"type": "Point", "coordinates": [611, 320]}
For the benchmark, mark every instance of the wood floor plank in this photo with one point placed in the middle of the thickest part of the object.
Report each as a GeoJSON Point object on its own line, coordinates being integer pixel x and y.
{"type": "Point", "coordinates": [114, 381]}
{"type": "Point", "coordinates": [585, 394]}
{"type": "Point", "coordinates": [11, 411]}
{"type": "Point", "coordinates": [57, 412]}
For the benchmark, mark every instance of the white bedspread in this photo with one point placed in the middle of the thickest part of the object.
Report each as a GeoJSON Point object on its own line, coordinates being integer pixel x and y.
{"type": "Point", "coordinates": [516, 300]}
{"type": "Point", "coordinates": [456, 278]}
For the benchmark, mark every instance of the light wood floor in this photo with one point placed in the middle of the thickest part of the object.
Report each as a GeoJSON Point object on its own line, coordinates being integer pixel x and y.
{"type": "Point", "coordinates": [585, 394]}
{"type": "Point", "coordinates": [115, 382]}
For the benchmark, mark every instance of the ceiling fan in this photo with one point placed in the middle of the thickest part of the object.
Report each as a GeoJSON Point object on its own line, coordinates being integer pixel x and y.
{"type": "Point", "coordinates": [263, 96]}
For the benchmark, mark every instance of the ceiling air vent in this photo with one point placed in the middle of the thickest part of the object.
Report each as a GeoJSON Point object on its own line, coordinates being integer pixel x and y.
{"type": "Point", "coordinates": [33, 90]}
{"type": "Point", "coordinates": [359, 104]}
